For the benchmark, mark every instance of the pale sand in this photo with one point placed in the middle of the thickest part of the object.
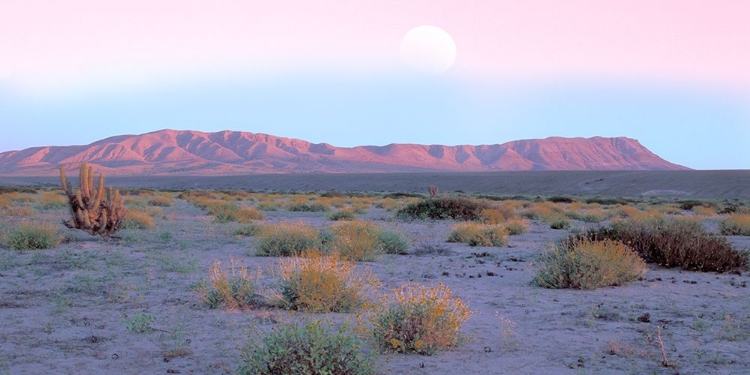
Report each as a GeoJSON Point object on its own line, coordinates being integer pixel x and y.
{"type": "Point", "coordinates": [65, 310]}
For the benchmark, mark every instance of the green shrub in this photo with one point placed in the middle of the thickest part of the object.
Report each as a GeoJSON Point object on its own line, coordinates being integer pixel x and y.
{"type": "Point", "coordinates": [323, 283]}
{"type": "Point", "coordinates": [735, 225]}
{"type": "Point", "coordinates": [516, 226]}
{"type": "Point", "coordinates": [286, 239]}
{"type": "Point", "coordinates": [673, 243]}
{"type": "Point", "coordinates": [226, 212]}
{"type": "Point", "coordinates": [249, 230]}
{"type": "Point", "coordinates": [309, 349]}
{"type": "Point", "coordinates": [446, 207]}
{"type": "Point", "coordinates": [30, 236]}
{"type": "Point", "coordinates": [587, 264]}
{"type": "Point", "coordinates": [418, 319]}
{"type": "Point", "coordinates": [393, 243]}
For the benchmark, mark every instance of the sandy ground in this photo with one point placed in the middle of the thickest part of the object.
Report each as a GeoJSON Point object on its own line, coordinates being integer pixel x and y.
{"type": "Point", "coordinates": [66, 310]}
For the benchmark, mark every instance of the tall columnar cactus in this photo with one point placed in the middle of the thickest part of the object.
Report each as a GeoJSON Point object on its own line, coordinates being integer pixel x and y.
{"type": "Point", "coordinates": [90, 209]}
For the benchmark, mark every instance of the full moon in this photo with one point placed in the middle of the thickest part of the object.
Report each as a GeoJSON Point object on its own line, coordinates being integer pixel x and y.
{"type": "Point", "coordinates": [428, 49]}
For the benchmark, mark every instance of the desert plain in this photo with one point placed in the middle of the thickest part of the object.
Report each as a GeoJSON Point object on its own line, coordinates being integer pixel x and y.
{"type": "Point", "coordinates": [77, 308]}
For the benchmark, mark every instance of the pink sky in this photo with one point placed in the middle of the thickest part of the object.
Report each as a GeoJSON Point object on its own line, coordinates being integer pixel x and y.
{"type": "Point", "coordinates": [52, 44]}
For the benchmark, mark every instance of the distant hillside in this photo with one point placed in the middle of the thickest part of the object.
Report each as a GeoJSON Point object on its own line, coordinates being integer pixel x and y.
{"type": "Point", "coordinates": [172, 152]}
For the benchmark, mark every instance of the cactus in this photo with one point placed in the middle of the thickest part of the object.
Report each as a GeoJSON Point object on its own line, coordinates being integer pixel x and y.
{"type": "Point", "coordinates": [96, 211]}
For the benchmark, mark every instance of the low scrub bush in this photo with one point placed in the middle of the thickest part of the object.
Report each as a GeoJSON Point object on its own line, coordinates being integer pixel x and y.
{"type": "Point", "coordinates": [393, 243]}
{"type": "Point", "coordinates": [249, 230]}
{"type": "Point", "coordinates": [51, 200]}
{"type": "Point", "coordinates": [476, 234]}
{"type": "Point", "coordinates": [307, 207]}
{"type": "Point", "coordinates": [226, 212]}
{"type": "Point", "coordinates": [588, 264]}
{"type": "Point", "coordinates": [31, 236]}
{"type": "Point", "coordinates": [323, 283]}
{"type": "Point", "coordinates": [357, 240]}
{"type": "Point", "coordinates": [418, 319]}
{"type": "Point", "coordinates": [735, 225]}
{"type": "Point", "coordinates": [516, 226]}
{"type": "Point", "coordinates": [229, 288]}
{"type": "Point", "coordinates": [492, 216]}
{"type": "Point", "coordinates": [137, 219]}
{"type": "Point", "coordinates": [446, 207]}
{"type": "Point", "coordinates": [306, 349]}
{"type": "Point", "coordinates": [161, 200]}
{"type": "Point", "coordinates": [286, 239]}
{"type": "Point", "coordinates": [671, 243]}
{"type": "Point", "coordinates": [342, 215]}
{"type": "Point", "coordinates": [558, 221]}
{"type": "Point", "coordinates": [588, 216]}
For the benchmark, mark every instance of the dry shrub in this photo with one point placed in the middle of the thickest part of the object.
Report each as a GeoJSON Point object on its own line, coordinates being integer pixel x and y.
{"type": "Point", "coordinates": [307, 207]}
{"type": "Point", "coordinates": [516, 226]}
{"type": "Point", "coordinates": [418, 319]}
{"type": "Point", "coordinates": [558, 221]}
{"type": "Point", "coordinates": [595, 215]}
{"type": "Point", "coordinates": [229, 288]}
{"type": "Point", "coordinates": [736, 225]}
{"type": "Point", "coordinates": [309, 349]}
{"type": "Point", "coordinates": [476, 234]}
{"type": "Point", "coordinates": [286, 239]}
{"type": "Point", "coordinates": [389, 204]}
{"type": "Point", "coordinates": [31, 236]}
{"type": "Point", "coordinates": [225, 212]}
{"type": "Point", "coordinates": [668, 209]}
{"type": "Point", "coordinates": [161, 200]}
{"type": "Point", "coordinates": [357, 240]}
{"type": "Point", "coordinates": [492, 216]}
{"type": "Point", "coordinates": [342, 215]}
{"type": "Point", "coordinates": [19, 211]}
{"type": "Point", "coordinates": [445, 207]}
{"type": "Point", "coordinates": [675, 242]}
{"type": "Point", "coordinates": [51, 200]}
{"type": "Point", "coordinates": [588, 264]}
{"type": "Point", "coordinates": [138, 219]}
{"type": "Point", "coordinates": [5, 201]}
{"type": "Point", "coordinates": [323, 283]}
{"type": "Point", "coordinates": [542, 210]}
{"type": "Point", "coordinates": [17, 197]}
{"type": "Point", "coordinates": [704, 211]}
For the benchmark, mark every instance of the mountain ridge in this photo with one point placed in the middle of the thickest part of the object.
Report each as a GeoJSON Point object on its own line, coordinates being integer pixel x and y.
{"type": "Point", "coordinates": [189, 152]}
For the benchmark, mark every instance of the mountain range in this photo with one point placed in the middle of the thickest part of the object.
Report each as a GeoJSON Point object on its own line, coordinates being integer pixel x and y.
{"type": "Point", "coordinates": [185, 152]}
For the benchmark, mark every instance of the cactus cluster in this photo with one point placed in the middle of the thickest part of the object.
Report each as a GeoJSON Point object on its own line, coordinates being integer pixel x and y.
{"type": "Point", "coordinates": [93, 210]}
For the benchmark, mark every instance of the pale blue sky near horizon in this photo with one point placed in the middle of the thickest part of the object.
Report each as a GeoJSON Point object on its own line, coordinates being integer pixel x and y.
{"type": "Point", "coordinates": [697, 129]}
{"type": "Point", "coordinates": [671, 73]}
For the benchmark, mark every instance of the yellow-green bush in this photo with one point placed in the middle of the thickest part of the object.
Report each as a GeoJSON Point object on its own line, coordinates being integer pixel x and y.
{"type": "Point", "coordinates": [516, 226]}
{"type": "Point", "coordinates": [286, 239]}
{"type": "Point", "coordinates": [587, 264]}
{"type": "Point", "coordinates": [137, 219]}
{"type": "Point", "coordinates": [357, 240]}
{"type": "Point", "coordinates": [418, 319]}
{"type": "Point", "coordinates": [51, 200]}
{"type": "Point", "coordinates": [226, 212]}
{"type": "Point", "coordinates": [323, 283]}
{"type": "Point", "coordinates": [476, 234]}
{"type": "Point", "coordinates": [30, 236]}
{"type": "Point", "coordinates": [736, 225]}
{"type": "Point", "coordinates": [161, 200]}
{"type": "Point", "coordinates": [232, 287]}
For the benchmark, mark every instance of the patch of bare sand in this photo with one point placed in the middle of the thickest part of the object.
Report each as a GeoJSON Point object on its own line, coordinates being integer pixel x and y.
{"type": "Point", "coordinates": [67, 310]}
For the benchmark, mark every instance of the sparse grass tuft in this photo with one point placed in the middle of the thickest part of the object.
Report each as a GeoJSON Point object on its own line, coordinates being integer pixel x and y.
{"type": "Point", "coordinates": [31, 236]}
{"type": "Point", "coordinates": [418, 319]}
{"type": "Point", "coordinates": [323, 283]}
{"type": "Point", "coordinates": [138, 219]}
{"type": "Point", "coordinates": [229, 288]}
{"type": "Point", "coordinates": [309, 349]}
{"type": "Point", "coordinates": [587, 264]}
{"type": "Point", "coordinates": [286, 239]}
{"type": "Point", "coordinates": [736, 225]}
{"type": "Point", "coordinates": [445, 207]}
{"type": "Point", "coordinates": [476, 234]}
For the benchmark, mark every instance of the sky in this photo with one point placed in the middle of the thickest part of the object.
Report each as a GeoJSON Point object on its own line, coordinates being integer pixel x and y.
{"type": "Point", "coordinates": [672, 74]}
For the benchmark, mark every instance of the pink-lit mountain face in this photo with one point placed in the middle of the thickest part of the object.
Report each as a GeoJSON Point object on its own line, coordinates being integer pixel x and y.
{"type": "Point", "coordinates": [172, 152]}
